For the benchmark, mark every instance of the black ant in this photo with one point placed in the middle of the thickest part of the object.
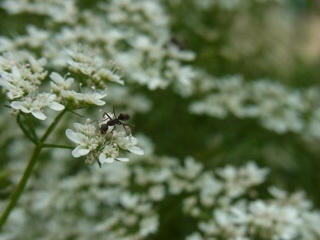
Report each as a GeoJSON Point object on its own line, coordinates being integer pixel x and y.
{"type": "Point", "coordinates": [112, 122]}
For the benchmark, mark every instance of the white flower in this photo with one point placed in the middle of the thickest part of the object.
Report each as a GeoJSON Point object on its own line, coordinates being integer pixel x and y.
{"type": "Point", "coordinates": [149, 225]}
{"type": "Point", "coordinates": [50, 101]}
{"type": "Point", "coordinates": [157, 192]}
{"type": "Point", "coordinates": [86, 140]}
{"type": "Point", "coordinates": [110, 154]}
{"type": "Point", "coordinates": [59, 82]}
{"type": "Point", "coordinates": [78, 138]}
{"type": "Point", "coordinates": [14, 84]}
{"type": "Point", "coordinates": [36, 106]}
{"type": "Point", "coordinates": [71, 96]}
{"type": "Point", "coordinates": [109, 75]}
{"type": "Point", "coordinates": [94, 98]}
{"type": "Point", "coordinates": [102, 147]}
{"type": "Point", "coordinates": [129, 143]}
{"type": "Point", "coordinates": [12, 90]}
{"type": "Point", "coordinates": [26, 106]}
{"type": "Point", "coordinates": [129, 201]}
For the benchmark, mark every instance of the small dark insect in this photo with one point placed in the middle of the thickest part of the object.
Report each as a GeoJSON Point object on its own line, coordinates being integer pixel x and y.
{"type": "Point", "coordinates": [112, 122]}
{"type": "Point", "coordinates": [178, 43]}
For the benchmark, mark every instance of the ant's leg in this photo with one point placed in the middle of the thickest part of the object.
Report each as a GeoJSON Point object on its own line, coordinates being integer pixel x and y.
{"type": "Point", "coordinates": [125, 128]}
{"type": "Point", "coordinates": [114, 112]}
{"type": "Point", "coordinates": [104, 115]}
{"type": "Point", "coordinates": [93, 121]}
{"type": "Point", "coordinates": [127, 124]}
{"type": "Point", "coordinates": [124, 125]}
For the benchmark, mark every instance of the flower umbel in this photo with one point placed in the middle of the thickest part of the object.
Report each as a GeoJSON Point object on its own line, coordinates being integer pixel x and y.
{"type": "Point", "coordinates": [36, 105]}
{"type": "Point", "coordinates": [105, 147]}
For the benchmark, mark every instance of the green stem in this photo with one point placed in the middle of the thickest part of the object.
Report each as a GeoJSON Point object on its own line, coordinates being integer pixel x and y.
{"type": "Point", "coordinates": [50, 145]}
{"type": "Point", "coordinates": [31, 128]}
{"type": "Point", "coordinates": [16, 194]}
{"type": "Point", "coordinates": [52, 126]}
{"type": "Point", "coordinates": [25, 131]}
{"type": "Point", "coordinates": [27, 173]}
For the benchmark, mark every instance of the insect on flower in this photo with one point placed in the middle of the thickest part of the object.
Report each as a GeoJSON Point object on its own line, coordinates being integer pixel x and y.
{"type": "Point", "coordinates": [107, 121]}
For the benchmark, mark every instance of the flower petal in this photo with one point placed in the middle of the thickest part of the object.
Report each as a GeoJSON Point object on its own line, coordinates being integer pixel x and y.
{"type": "Point", "coordinates": [56, 106]}
{"type": "Point", "coordinates": [38, 114]}
{"type": "Point", "coordinates": [104, 159]}
{"type": "Point", "coordinates": [56, 78]}
{"type": "Point", "coordinates": [19, 105]}
{"type": "Point", "coordinates": [80, 151]}
{"type": "Point", "coordinates": [74, 137]}
{"type": "Point", "coordinates": [136, 150]}
{"type": "Point", "coordinates": [123, 159]}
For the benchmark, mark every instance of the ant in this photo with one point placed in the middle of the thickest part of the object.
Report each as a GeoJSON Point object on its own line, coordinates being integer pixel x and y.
{"type": "Point", "coordinates": [112, 122]}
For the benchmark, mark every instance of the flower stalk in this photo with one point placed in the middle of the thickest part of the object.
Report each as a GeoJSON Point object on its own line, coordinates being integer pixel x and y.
{"type": "Point", "coordinates": [29, 169]}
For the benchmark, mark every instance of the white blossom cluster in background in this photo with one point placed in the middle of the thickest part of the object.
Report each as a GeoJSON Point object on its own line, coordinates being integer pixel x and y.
{"type": "Point", "coordinates": [224, 4]}
{"type": "Point", "coordinates": [122, 201]}
{"type": "Point", "coordinates": [224, 214]}
{"type": "Point", "coordinates": [21, 76]}
{"type": "Point", "coordinates": [277, 107]}
{"type": "Point", "coordinates": [21, 79]}
{"type": "Point", "coordinates": [140, 44]}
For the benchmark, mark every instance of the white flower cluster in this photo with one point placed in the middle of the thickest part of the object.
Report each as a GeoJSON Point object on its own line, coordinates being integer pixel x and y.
{"type": "Point", "coordinates": [223, 4]}
{"type": "Point", "coordinates": [84, 61]}
{"type": "Point", "coordinates": [21, 80]}
{"type": "Point", "coordinates": [218, 203]}
{"type": "Point", "coordinates": [135, 34]}
{"type": "Point", "coordinates": [104, 147]}
{"type": "Point", "coordinates": [151, 57]}
{"type": "Point", "coordinates": [131, 195]}
{"type": "Point", "coordinates": [277, 107]}
{"type": "Point", "coordinates": [58, 11]}
{"type": "Point", "coordinates": [22, 77]}
{"type": "Point", "coordinates": [287, 218]}
{"type": "Point", "coordinates": [62, 88]}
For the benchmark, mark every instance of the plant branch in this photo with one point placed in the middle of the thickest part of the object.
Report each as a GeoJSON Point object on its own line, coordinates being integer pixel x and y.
{"type": "Point", "coordinates": [27, 172]}
{"type": "Point", "coordinates": [16, 194]}
{"type": "Point", "coordinates": [31, 128]}
{"type": "Point", "coordinates": [25, 130]}
{"type": "Point", "coordinates": [51, 145]}
{"type": "Point", "coordinates": [52, 126]}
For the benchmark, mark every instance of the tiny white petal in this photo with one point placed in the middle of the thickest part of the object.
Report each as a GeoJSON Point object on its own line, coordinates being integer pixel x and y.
{"type": "Point", "coordinates": [56, 77]}
{"type": "Point", "coordinates": [73, 136]}
{"type": "Point", "coordinates": [136, 150]}
{"type": "Point", "coordinates": [38, 114]}
{"type": "Point", "coordinates": [123, 159]}
{"type": "Point", "coordinates": [104, 159]}
{"type": "Point", "coordinates": [80, 151]}
{"type": "Point", "coordinates": [15, 72]}
{"type": "Point", "coordinates": [99, 102]}
{"type": "Point", "coordinates": [79, 126]}
{"type": "Point", "coordinates": [19, 105]}
{"type": "Point", "coordinates": [56, 106]}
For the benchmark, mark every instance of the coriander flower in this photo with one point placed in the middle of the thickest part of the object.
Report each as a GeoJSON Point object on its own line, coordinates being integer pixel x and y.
{"type": "Point", "coordinates": [59, 83]}
{"type": "Point", "coordinates": [84, 138]}
{"type": "Point", "coordinates": [129, 143]}
{"type": "Point", "coordinates": [102, 147]}
{"type": "Point", "coordinates": [110, 154]}
{"type": "Point", "coordinates": [82, 99]}
{"type": "Point", "coordinates": [94, 98]}
{"type": "Point", "coordinates": [36, 105]}
{"type": "Point", "coordinates": [14, 84]}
